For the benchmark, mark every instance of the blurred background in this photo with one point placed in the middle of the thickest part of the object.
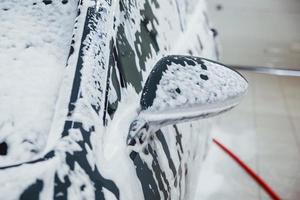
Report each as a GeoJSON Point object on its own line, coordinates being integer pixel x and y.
{"type": "Point", "coordinates": [261, 38]}
{"type": "Point", "coordinates": [258, 33]}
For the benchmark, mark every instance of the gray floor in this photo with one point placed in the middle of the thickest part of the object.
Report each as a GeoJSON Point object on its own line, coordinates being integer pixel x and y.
{"type": "Point", "coordinates": [264, 131]}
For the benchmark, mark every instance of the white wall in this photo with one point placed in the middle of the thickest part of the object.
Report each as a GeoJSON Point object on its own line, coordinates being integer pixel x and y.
{"type": "Point", "coordinates": [258, 32]}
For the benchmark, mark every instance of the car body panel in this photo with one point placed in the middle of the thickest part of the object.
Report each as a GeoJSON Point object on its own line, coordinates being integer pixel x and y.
{"type": "Point", "coordinates": [35, 42]}
{"type": "Point", "coordinates": [114, 46]}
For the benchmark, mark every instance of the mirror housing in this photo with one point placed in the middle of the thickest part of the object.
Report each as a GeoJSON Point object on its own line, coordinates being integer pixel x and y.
{"type": "Point", "coordinates": [185, 88]}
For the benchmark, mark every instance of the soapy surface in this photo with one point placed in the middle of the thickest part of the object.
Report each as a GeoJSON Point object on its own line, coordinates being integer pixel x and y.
{"type": "Point", "coordinates": [203, 83]}
{"type": "Point", "coordinates": [35, 41]}
{"type": "Point", "coordinates": [172, 159]}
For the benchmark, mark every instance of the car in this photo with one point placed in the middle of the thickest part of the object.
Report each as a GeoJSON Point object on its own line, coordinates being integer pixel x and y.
{"type": "Point", "coordinates": [108, 99]}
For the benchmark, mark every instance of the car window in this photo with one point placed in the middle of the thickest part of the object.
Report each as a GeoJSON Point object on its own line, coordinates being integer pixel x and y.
{"type": "Point", "coordinates": [144, 31]}
{"type": "Point", "coordinates": [116, 83]}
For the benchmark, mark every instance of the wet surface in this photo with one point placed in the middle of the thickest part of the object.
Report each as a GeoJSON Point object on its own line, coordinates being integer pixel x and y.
{"type": "Point", "coordinates": [263, 131]}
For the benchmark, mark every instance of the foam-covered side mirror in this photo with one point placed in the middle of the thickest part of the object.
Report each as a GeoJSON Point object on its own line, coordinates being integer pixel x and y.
{"type": "Point", "coordinates": [186, 88]}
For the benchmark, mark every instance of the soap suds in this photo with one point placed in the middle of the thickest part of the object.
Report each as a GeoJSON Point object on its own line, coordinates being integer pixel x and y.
{"type": "Point", "coordinates": [35, 42]}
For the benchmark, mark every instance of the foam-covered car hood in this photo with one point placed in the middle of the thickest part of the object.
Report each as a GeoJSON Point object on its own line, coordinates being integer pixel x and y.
{"type": "Point", "coordinates": [35, 41]}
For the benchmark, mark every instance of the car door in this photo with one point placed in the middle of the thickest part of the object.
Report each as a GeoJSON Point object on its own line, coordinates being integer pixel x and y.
{"type": "Point", "coordinates": [87, 156]}
{"type": "Point", "coordinates": [145, 31]}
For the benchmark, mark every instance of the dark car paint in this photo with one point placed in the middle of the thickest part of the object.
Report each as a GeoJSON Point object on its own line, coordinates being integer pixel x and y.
{"type": "Point", "coordinates": [122, 62]}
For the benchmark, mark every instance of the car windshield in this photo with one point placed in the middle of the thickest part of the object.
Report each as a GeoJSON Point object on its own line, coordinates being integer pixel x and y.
{"type": "Point", "coordinates": [35, 37]}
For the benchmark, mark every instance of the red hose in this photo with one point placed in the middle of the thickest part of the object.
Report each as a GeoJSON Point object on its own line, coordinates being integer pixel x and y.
{"type": "Point", "coordinates": [249, 171]}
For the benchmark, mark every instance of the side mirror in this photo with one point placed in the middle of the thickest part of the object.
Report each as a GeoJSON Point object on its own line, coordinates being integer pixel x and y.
{"type": "Point", "coordinates": [184, 88]}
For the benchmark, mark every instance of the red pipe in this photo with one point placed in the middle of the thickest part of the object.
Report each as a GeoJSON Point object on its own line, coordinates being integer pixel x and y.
{"type": "Point", "coordinates": [249, 171]}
